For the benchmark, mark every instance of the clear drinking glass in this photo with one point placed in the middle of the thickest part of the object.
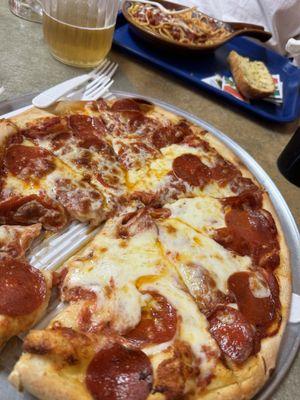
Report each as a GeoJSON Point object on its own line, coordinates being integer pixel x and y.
{"type": "Point", "coordinates": [27, 9]}
{"type": "Point", "coordinates": [79, 32]}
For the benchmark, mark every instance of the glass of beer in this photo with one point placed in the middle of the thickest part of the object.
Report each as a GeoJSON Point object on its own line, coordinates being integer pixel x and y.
{"type": "Point", "coordinates": [79, 32]}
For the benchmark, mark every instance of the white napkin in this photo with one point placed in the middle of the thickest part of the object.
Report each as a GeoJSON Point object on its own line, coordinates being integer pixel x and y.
{"type": "Point", "coordinates": [295, 309]}
{"type": "Point", "coordinates": [293, 49]}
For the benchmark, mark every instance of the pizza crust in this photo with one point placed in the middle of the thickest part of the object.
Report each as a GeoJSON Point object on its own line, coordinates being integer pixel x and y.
{"type": "Point", "coordinates": [263, 366]}
{"type": "Point", "coordinates": [30, 115]}
{"type": "Point", "coordinates": [36, 375]}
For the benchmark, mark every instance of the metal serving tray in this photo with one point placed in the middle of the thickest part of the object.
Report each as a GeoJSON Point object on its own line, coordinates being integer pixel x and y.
{"type": "Point", "coordinates": [291, 340]}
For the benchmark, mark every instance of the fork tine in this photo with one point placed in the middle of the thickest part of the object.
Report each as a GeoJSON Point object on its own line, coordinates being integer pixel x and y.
{"type": "Point", "coordinates": [93, 93]}
{"type": "Point", "coordinates": [101, 70]}
{"type": "Point", "coordinates": [100, 81]}
{"type": "Point", "coordinates": [105, 89]}
{"type": "Point", "coordinates": [112, 72]}
{"type": "Point", "coordinates": [108, 96]}
{"type": "Point", "coordinates": [84, 92]}
{"type": "Point", "coordinates": [101, 73]}
{"type": "Point", "coordinates": [98, 93]}
{"type": "Point", "coordinates": [109, 73]}
{"type": "Point", "coordinates": [104, 68]}
{"type": "Point", "coordinates": [97, 83]}
{"type": "Point", "coordinates": [98, 87]}
{"type": "Point", "coordinates": [88, 88]}
{"type": "Point", "coordinates": [97, 69]}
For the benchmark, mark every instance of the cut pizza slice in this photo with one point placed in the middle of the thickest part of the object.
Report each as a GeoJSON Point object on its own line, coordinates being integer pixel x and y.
{"type": "Point", "coordinates": [81, 142]}
{"type": "Point", "coordinates": [24, 290]}
{"type": "Point", "coordinates": [190, 169]}
{"type": "Point", "coordinates": [165, 156]}
{"type": "Point", "coordinates": [100, 139]}
{"type": "Point", "coordinates": [38, 187]}
{"type": "Point", "coordinates": [129, 329]}
{"type": "Point", "coordinates": [242, 230]}
{"type": "Point", "coordinates": [244, 301]}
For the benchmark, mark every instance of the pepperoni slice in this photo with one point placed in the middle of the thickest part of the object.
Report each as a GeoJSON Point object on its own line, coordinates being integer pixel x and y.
{"type": "Point", "coordinates": [99, 105]}
{"type": "Point", "coordinates": [118, 373]}
{"type": "Point", "coordinates": [195, 141]}
{"type": "Point", "coordinates": [45, 127]}
{"type": "Point", "coordinates": [159, 213]}
{"type": "Point", "coordinates": [28, 162]}
{"type": "Point", "coordinates": [88, 130]}
{"type": "Point", "coordinates": [137, 122]}
{"type": "Point", "coordinates": [22, 288]}
{"type": "Point", "coordinates": [60, 140]}
{"type": "Point", "coordinates": [125, 105]}
{"type": "Point", "coordinates": [149, 199]}
{"type": "Point", "coordinates": [165, 136]}
{"type": "Point", "coordinates": [254, 297]}
{"type": "Point", "coordinates": [247, 194]}
{"type": "Point", "coordinates": [252, 233]}
{"type": "Point", "coordinates": [191, 169]}
{"type": "Point", "coordinates": [31, 209]}
{"type": "Point", "coordinates": [233, 333]}
{"type": "Point", "coordinates": [224, 172]}
{"type": "Point", "coordinates": [158, 322]}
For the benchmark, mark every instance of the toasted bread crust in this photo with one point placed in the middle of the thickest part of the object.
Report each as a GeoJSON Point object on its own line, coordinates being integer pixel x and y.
{"type": "Point", "coordinates": [243, 85]}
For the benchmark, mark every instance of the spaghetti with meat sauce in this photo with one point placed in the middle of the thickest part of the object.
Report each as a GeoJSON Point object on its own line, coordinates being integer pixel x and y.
{"type": "Point", "coordinates": [189, 27]}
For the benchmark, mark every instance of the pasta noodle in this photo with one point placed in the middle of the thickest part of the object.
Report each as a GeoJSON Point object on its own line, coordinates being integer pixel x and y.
{"type": "Point", "coordinates": [189, 27]}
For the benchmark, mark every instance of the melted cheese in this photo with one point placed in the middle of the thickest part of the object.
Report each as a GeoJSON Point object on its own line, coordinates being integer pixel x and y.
{"type": "Point", "coordinates": [184, 246]}
{"type": "Point", "coordinates": [112, 272]}
{"type": "Point", "coordinates": [156, 175]}
{"type": "Point", "coordinates": [158, 169]}
{"type": "Point", "coordinates": [202, 213]}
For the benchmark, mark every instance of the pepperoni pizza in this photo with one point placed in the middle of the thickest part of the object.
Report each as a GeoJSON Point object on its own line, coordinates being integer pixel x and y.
{"type": "Point", "coordinates": [184, 293]}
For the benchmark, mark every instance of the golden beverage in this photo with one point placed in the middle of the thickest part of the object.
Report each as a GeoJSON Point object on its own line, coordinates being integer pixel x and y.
{"type": "Point", "coordinates": [77, 45]}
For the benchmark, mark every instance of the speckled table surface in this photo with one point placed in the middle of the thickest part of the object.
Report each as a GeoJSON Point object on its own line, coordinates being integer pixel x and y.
{"type": "Point", "coordinates": [26, 66]}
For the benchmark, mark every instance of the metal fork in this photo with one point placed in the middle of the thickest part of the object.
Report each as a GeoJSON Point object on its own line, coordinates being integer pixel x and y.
{"type": "Point", "coordinates": [97, 87]}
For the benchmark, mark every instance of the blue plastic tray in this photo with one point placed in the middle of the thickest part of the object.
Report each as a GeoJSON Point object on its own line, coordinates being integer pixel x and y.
{"type": "Point", "coordinates": [196, 66]}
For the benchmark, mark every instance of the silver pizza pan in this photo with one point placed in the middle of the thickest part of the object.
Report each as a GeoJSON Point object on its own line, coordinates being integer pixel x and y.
{"type": "Point", "coordinates": [291, 340]}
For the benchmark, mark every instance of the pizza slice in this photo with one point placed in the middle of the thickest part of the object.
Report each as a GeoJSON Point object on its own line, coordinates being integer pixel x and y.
{"type": "Point", "coordinates": [167, 157]}
{"type": "Point", "coordinates": [36, 186]}
{"type": "Point", "coordinates": [81, 142]}
{"type": "Point", "coordinates": [181, 172]}
{"type": "Point", "coordinates": [129, 327]}
{"type": "Point", "coordinates": [229, 260]}
{"type": "Point", "coordinates": [24, 290]}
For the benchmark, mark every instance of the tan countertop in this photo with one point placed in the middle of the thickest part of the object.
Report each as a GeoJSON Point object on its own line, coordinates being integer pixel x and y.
{"type": "Point", "coordinates": [26, 66]}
